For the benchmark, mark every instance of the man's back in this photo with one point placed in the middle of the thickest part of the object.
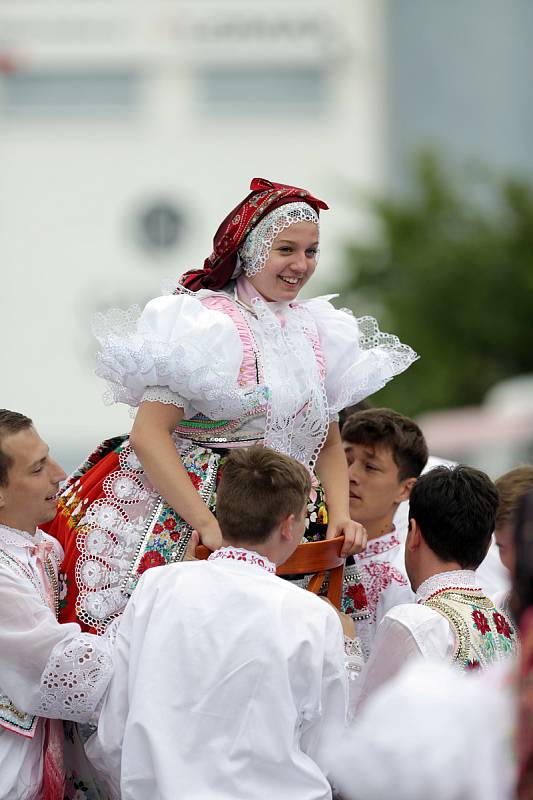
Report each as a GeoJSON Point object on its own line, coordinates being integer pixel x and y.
{"type": "Point", "coordinates": [226, 680]}
{"type": "Point", "coordinates": [451, 620]}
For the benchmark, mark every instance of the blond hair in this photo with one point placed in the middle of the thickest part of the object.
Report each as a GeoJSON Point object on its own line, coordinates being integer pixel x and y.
{"type": "Point", "coordinates": [511, 487]}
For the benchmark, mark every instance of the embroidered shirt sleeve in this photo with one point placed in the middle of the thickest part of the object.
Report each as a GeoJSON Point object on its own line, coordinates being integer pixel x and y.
{"type": "Point", "coordinates": [75, 677]}
{"type": "Point", "coordinates": [46, 668]}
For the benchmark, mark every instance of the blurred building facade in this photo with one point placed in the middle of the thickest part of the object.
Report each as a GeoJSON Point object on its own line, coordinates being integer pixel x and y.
{"type": "Point", "coordinates": [127, 132]}
{"type": "Point", "coordinates": [459, 79]}
{"type": "Point", "coordinates": [129, 128]}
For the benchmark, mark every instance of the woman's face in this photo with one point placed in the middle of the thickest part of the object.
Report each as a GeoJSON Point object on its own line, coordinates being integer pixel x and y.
{"type": "Point", "coordinates": [291, 263]}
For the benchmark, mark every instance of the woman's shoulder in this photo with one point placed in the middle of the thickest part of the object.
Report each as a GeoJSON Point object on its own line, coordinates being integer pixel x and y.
{"type": "Point", "coordinates": [191, 312]}
{"type": "Point", "coordinates": [324, 312]}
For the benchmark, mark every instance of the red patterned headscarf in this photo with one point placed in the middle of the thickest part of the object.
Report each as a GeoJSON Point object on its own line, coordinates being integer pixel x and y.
{"type": "Point", "coordinates": [264, 197]}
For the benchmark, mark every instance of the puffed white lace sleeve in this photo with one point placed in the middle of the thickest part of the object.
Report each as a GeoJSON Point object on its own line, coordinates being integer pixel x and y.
{"type": "Point", "coordinates": [359, 358]}
{"type": "Point", "coordinates": [48, 669]}
{"type": "Point", "coordinates": [176, 351]}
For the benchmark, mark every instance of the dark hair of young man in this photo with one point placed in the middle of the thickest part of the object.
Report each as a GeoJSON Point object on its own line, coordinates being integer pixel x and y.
{"type": "Point", "coordinates": [258, 489]}
{"type": "Point", "coordinates": [455, 508]}
{"type": "Point", "coordinates": [10, 422]}
{"type": "Point", "coordinates": [382, 427]}
{"type": "Point", "coordinates": [512, 486]}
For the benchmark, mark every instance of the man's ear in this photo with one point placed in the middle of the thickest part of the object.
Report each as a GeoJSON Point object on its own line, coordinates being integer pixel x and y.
{"type": "Point", "coordinates": [405, 489]}
{"type": "Point", "coordinates": [413, 539]}
{"type": "Point", "coordinates": [2, 499]}
{"type": "Point", "coordinates": [286, 527]}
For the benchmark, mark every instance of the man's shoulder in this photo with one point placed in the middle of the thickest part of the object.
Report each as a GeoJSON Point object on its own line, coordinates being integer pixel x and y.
{"type": "Point", "coordinates": [412, 615]}
{"type": "Point", "coordinates": [305, 603]}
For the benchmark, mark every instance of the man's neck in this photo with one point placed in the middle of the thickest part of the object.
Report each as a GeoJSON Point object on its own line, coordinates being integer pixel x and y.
{"type": "Point", "coordinates": [435, 569]}
{"type": "Point", "coordinates": [379, 527]}
{"type": "Point", "coordinates": [263, 549]}
{"type": "Point", "coordinates": [19, 525]}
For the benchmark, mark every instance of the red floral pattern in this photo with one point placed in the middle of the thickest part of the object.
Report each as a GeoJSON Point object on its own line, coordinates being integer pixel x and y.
{"type": "Point", "coordinates": [152, 558]}
{"type": "Point", "coordinates": [473, 664]}
{"type": "Point", "coordinates": [480, 621]}
{"type": "Point", "coordinates": [382, 544]}
{"type": "Point", "coordinates": [378, 576]}
{"type": "Point", "coordinates": [502, 626]}
{"type": "Point", "coordinates": [239, 554]}
{"type": "Point", "coordinates": [355, 597]}
{"type": "Point", "coordinates": [195, 480]}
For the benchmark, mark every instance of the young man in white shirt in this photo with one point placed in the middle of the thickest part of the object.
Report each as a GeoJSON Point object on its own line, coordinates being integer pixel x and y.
{"type": "Point", "coordinates": [48, 671]}
{"type": "Point", "coordinates": [386, 452]}
{"type": "Point", "coordinates": [228, 680]}
{"type": "Point", "coordinates": [451, 519]}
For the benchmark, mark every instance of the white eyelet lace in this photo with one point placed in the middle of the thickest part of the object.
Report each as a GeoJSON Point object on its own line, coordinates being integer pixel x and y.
{"type": "Point", "coordinates": [75, 678]}
{"type": "Point", "coordinates": [297, 413]}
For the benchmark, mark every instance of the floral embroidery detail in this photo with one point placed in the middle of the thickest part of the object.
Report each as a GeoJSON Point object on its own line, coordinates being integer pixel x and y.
{"type": "Point", "coordinates": [480, 621]}
{"type": "Point", "coordinates": [322, 514]}
{"type": "Point", "coordinates": [317, 513]}
{"type": "Point", "coordinates": [152, 558]}
{"type": "Point", "coordinates": [196, 481]}
{"type": "Point", "coordinates": [238, 554]}
{"type": "Point", "coordinates": [378, 576]}
{"type": "Point", "coordinates": [477, 625]}
{"type": "Point", "coordinates": [382, 544]}
{"type": "Point", "coordinates": [502, 626]}
{"type": "Point", "coordinates": [354, 598]}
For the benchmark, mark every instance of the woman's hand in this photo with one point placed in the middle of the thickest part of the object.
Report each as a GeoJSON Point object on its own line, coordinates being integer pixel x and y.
{"type": "Point", "coordinates": [210, 534]}
{"type": "Point", "coordinates": [333, 473]}
{"type": "Point", "coordinates": [355, 536]}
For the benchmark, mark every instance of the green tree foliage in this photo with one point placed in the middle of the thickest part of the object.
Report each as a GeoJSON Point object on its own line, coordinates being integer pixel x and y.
{"type": "Point", "coordinates": [451, 273]}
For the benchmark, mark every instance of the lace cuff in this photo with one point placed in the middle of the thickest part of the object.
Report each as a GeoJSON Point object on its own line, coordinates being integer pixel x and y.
{"type": "Point", "coordinates": [75, 677]}
{"type": "Point", "coordinates": [162, 394]}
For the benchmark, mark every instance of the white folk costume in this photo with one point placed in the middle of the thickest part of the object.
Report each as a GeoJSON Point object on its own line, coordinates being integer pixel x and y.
{"type": "Point", "coordinates": [243, 369]}
{"type": "Point", "coordinates": [492, 576]}
{"type": "Point", "coordinates": [431, 732]}
{"type": "Point", "coordinates": [380, 581]}
{"type": "Point", "coordinates": [47, 670]}
{"type": "Point", "coordinates": [452, 620]}
{"type": "Point", "coordinates": [233, 697]}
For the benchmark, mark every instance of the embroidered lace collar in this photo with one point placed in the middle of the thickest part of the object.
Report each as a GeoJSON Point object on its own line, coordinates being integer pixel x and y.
{"type": "Point", "coordinates": [20, 538]}
{"type": "Point", "coordinates": [381, 544]}
{"type": "Point", "coordinates": [244, 556]}
{"type": "Point", "coordinates": [454, 579]}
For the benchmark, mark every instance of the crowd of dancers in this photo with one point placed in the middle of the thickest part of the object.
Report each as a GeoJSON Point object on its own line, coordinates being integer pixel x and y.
{"type": "Point", "coordinates": [130, 669]}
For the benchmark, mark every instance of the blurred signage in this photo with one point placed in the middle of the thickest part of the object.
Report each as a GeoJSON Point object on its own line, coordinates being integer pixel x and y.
{"type": "Point", "coordinates": [37, 33]}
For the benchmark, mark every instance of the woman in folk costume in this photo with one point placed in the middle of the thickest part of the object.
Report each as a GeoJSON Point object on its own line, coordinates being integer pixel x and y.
{"type": "Point", "coordinates": [230, 359]}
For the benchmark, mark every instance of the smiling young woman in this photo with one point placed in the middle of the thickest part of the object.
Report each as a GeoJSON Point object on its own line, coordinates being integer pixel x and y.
{"type": "Point", "coordinates": [230, 359]}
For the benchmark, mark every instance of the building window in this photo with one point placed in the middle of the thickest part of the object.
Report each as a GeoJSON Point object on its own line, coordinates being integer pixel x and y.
{"type": "Point", "coordinates": [259, 91]}
{"type": "Point", "coordinates": [66, 93]}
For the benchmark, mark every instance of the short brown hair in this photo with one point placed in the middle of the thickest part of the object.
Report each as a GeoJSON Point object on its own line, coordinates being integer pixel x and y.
{"type": "Point", "coordinates": [382, 427]}
{"type": "Point", "coordinates": [10, 422]}
{"type": "Point", "coordinates": [258, 489]}
{"type": "Point", "coordinates": [511, 487]}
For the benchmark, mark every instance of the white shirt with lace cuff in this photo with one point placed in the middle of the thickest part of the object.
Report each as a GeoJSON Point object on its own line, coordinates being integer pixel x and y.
{"type": "Point", "coordinates": [46, 669]}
